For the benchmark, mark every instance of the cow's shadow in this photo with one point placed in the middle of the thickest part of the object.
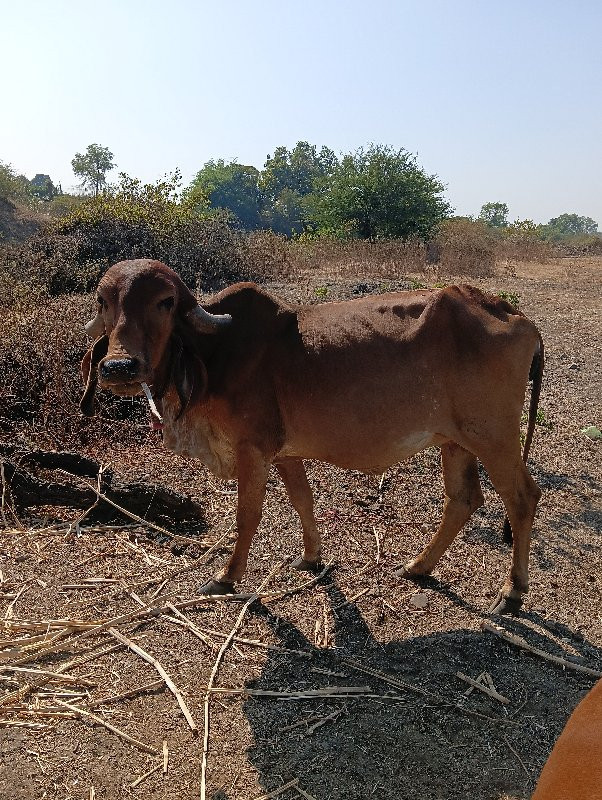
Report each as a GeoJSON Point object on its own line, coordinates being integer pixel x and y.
{"type": "Point", "coordinates": [547, 550]}
{"type": "Point", "coordinates": [416, 746]}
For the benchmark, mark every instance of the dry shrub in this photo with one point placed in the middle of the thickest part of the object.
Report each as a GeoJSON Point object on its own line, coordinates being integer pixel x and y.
{"type": "Point", "coordinates": [466, 248]}
{"type": "Point", "coordinates": [208, 251]}
{"type": "Point", "coordinates": [268, 255]}
{"type": "Point", "coordinates": [340, 259]}
{"type": "Point", "coordinates": [17, 221]}
{"type": "Point", "coordinates": [580, 245]}
{"type": "Point", "coordinates": [42, 344]}
{"type": "Point", "coordinates": [522, 243]}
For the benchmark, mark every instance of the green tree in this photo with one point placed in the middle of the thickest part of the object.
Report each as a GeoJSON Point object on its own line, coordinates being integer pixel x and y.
{"type": "Point", "coordinates": [289, 176]}
{"type": "Point", "coordinates": [572, 225]}
{"type": "Point", "coordinates": [12, 185]}
{"type": "Point", "coordinates": [43, 188]}
{"type": "Point", "coordinates": [494, 214]}
{"type": "Point", "coordinates": [92, 167]}
{"type": "Point", "coordinates": [379, 192]}
{"type": "Point", "coordinates": [231, 186]}
{"type": "Point", "coordinates": [287, 214]}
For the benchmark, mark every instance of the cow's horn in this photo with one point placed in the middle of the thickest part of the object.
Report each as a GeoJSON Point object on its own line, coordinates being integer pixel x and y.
{"type": "Point", "coordinates": [95, 327]}
{"type": "Point", "coordinates": [204, 322]}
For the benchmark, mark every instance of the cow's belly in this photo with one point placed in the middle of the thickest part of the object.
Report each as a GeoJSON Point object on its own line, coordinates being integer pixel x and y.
{"type": "Point", "coordinates": [372, 455]}
{"type": "Point", "coordinates": [198, 438]}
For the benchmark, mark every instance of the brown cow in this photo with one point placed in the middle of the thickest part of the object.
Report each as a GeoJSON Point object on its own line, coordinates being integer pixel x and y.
{"type": "Point", "coordinates": [252, 381]}
{"type": "Point", "coordinates": [574, 769]}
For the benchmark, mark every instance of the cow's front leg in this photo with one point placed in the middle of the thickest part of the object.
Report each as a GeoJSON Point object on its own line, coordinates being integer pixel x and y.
{"type": "Point", "coordinates": [253, 471]}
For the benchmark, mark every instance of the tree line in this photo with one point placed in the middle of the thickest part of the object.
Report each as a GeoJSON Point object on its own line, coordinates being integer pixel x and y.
{"type": "Point", "coordinates": [376, 192]}
{"type": "Point", "coordinates": [496, 216]}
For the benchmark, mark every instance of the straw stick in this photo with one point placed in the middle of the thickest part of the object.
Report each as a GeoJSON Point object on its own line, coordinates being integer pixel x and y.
{"type": "Point", "coordinates": [482, 688]}
{"type": "Point", "coordinates": [518, 641]}
{"type": "Point", "coordinates": [146, 775]}
{"type": "Point", "coordinates": [220, 655]}
{"type": "Point", "coordinates": [149, 687]}
{"type": "Point", "coordinates": [99, 721]}
{"type": "Point", "coordinates": [153, 661]}
{"type": "Point", "coordinates": [278, 791]}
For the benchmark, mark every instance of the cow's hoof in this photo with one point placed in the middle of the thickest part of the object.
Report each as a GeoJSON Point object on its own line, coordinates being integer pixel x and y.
{"type": "Point", "coordinates": [411, 570]}
{"type": "Point", "coordinates": [306, 566]}
{"type": "Point", "coordinates": [505, 605]}
{"type": "Point", "coordinates": [217, 587]}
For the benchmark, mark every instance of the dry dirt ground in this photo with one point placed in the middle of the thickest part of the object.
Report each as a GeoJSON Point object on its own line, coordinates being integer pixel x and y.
{"type": "Point", "coordinates": [417, 735]}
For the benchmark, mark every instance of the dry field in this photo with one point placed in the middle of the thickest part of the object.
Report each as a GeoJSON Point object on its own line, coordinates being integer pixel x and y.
{"type": "Point", "coordinates": [346, 688]}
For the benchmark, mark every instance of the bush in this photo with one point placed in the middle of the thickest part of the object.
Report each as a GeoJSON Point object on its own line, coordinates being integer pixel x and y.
{"type": "Point", "coordinates": [133, 220]}
{"type": "Point", "coordinates": [42, 344]}
{"type": "Point", "coordinates": [338, 258]}
{"type": "Point", "coordinates": [61, 205]}
{"type": "Point", "coordinates": [12, 185]}
{"type": "Point", "coordinates": [467, 247]}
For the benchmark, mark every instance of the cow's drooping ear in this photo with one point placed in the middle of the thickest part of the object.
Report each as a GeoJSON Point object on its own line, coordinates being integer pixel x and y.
{"type": "Point", "coordinates": [95, 327]}
{"type": "Point", "coordinates": [89, 367]}
{"type": "Point", "coordinates": [189, 376]}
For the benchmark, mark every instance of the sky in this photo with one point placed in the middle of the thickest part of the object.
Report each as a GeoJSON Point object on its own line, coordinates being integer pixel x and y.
{"type": "Point", "coordinates": [501, 100]}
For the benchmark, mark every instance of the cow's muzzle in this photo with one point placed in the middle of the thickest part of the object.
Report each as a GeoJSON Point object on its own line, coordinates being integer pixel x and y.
{"type": "Point", "coordinates": [121, 375]}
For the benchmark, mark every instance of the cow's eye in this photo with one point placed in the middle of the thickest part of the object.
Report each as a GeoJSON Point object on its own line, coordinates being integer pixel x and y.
{"type": "Point", "coordinates": [101, 302]}
{"type": "Point", "coordinates": [167, 303]}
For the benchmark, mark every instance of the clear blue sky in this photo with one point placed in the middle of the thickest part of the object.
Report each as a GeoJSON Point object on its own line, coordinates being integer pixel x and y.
{"type": "Point", "coordinates": [501, 100]}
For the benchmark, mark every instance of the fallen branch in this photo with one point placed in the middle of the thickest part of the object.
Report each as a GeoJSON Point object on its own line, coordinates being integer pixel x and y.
{"type": "Point", "coordinates": [287, 593]}
{"type": "Point", "coordinates": [317, 721]}
{"type": "Point", "coordinates": [19, 694]}
{"type": "Point", "coordinates": [304, 794]}
{"type": "Point", "coordinates": [17, 723]}
{"type": "Point", "coordinates": [142, 520]}
{"type": "Point", "coordinates": [153, 661]}
{"type": "Point", "coordinates": [520, 761]}
{"type": "Point", "coordinates": [9, 613]}
{"type": "Point", "coordinates": [29, 489]}
{"type": "Point", "coordinates": [53, 676]}
{"type": "Point", "coordinates": [186, 568]}
{"type": "Point", "coordinates": [352, 599]}
{"type": "Point", "coordinates": [325, 691]}
{"type": "Point", "coordinates": [262, 645]}
{"type": "Point", "coordinates": [183, 620]}
{"type": "Point", "coordinates": [518, 641]}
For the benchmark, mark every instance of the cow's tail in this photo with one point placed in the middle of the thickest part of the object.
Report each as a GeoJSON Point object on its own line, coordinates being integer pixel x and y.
{"type": "Point", "coordinates": [535, 375]}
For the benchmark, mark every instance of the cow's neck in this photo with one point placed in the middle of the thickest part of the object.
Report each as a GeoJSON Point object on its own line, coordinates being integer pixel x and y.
{"type": "Point", "coordinates": [197, 434]}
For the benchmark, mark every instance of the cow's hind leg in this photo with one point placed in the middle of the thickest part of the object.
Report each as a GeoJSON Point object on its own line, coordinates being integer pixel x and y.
{"type": "Point", "coordinates": [520, 495]}
{"type": "Point", "coordinates": [299, 491]}
{"type": "Point", "coordinates": [463, 495]}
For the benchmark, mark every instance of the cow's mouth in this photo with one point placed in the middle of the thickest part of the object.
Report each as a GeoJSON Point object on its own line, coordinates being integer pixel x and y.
{"type": "Point", "coordinates": [123, 389]}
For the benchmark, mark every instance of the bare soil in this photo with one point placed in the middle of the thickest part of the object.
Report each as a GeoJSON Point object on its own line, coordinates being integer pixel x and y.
{"type": "Point", "coordinates": [395, 743]}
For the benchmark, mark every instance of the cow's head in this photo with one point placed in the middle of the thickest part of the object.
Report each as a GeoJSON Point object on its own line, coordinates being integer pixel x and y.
{"type": "Point", "coordinates": [143, 305]}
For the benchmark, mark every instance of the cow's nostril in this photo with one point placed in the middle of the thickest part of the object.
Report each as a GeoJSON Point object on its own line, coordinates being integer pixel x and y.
{"type": "Point", "coordinates": [119, 368]}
